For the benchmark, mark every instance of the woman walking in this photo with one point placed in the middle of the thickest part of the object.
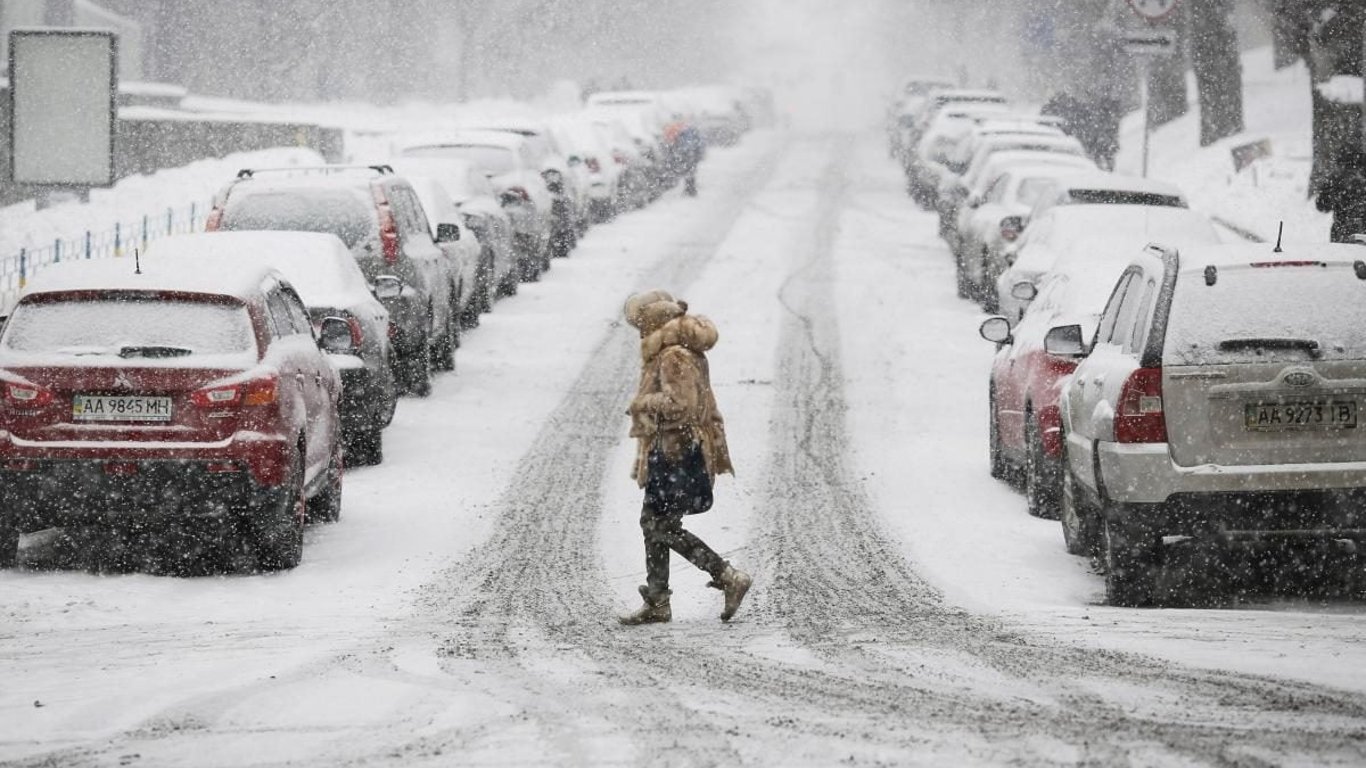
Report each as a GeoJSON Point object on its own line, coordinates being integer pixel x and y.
{"type": "Point", "coordinates": [682, 448]}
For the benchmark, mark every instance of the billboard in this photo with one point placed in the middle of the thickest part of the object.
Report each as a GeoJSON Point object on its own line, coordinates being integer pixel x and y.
{"type": "Point", "coordinates": [63, 87]}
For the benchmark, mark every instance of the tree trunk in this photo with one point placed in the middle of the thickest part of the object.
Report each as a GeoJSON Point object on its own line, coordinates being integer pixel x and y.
{"type": "Point", "coordinates": [1168, 97]}
{"type": "Point", "coordinates": [1218, 70]}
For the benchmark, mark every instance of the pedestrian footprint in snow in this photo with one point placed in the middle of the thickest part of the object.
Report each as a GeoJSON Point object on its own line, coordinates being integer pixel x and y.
{"type": "Point", "coordinates": [682, 448]}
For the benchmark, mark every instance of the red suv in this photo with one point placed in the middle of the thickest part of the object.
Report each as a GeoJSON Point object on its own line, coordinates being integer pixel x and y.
{"type": "Point", "coordinates": [187, 392]}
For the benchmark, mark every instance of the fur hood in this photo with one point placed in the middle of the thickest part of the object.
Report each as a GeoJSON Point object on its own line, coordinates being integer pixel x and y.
{"type": "Point", "coordinates": [694, 333]}
{"type": "Point", "coordinates": [648, 311]}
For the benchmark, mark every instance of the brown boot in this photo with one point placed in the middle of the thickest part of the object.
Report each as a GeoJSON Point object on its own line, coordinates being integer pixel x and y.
{"type": "Point", "coordinates": [656, 610]}
{"type": "Point", "coordinates": [734, 584]}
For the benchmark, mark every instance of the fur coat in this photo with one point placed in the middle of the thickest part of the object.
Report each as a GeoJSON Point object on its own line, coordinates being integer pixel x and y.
{"type": "Point", "coordinates": [674, 405]}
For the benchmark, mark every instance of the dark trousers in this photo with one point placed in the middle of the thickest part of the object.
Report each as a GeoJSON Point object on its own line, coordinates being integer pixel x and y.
{"type": "Point", "coordinates": [665, 534]}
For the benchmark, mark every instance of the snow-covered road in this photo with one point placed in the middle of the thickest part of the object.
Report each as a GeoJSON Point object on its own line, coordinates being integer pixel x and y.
{"type": "Point", "coordinates": [906, 609]}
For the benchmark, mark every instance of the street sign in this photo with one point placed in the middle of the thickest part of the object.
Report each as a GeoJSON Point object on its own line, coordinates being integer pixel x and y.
{"type": "Point", "coordinates": [1154, 10]}
{"type": "Point", "coordinates": [1150, 42]}
{"type": "Point", "coordinates": [63, 95]}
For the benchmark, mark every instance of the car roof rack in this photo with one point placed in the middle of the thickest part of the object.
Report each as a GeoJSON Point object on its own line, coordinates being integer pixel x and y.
{"type": "Point", "coordinates": [382, 169]}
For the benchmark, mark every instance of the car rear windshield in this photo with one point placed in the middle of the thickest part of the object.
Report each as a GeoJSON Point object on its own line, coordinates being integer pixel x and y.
{"type": "Point", "coordinates": [1255, 315]}
{"type": "Point", "coordinates": [1122, 197]}
{"type": "Point", "coordinates": [490, 158]}
{"type": "Point", "coordinates": [140, 327]}
{"type": "Point", "coordinates": [346, 213]}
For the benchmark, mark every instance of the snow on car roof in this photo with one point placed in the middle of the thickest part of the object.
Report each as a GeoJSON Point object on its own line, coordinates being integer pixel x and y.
{"type": "Point", "coordinates": [318, 265]}
{"type": "Point", "coordinates": [968, 94]}
{"type": "Point", "coordinates": [465, 137]}
{"type": "Point", "coordinates": [623, 97]}
{"type": "Point", "coordinates": [1080, 232]}
{"type": "Point", "coordinates": [999, 161]}
{"type": "Point", "coordinates": [213, 277]}
{"type": "Point", "coordinates": [1101, 180]}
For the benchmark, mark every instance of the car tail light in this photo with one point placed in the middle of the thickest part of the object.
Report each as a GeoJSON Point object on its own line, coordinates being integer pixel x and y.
{"type": "Point", "coordinates": [27, 397]}
{"type": "Point", "coordinates": [1010, 228]}
{"type": "Point", "coordinates": [251, 392]}
{"type": "Point", "coordinates": [388, 234]}
{"type": "Point", "coordinates": [1139, 417]}
{"type": "Point", "coordinates": [215, 219]}
{"type": "Point", "coordinates": [593, 165]}
{"type": "Point", "coordinates": [619, 157]}
{"type": "Point", "coordinates": [521, 193]}
{"type": "Point", "coordinates": [357, 332]}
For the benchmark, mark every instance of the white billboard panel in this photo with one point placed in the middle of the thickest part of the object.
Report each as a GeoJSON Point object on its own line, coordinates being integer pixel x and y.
{"type": "Point", "coordinates": [63, 95]}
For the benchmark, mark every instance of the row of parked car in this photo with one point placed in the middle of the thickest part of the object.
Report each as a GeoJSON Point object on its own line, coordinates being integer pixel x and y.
{"type": "Point", "coordinates": [223, 381]}
{"type": "Point", "coordinates": [1152, 385]}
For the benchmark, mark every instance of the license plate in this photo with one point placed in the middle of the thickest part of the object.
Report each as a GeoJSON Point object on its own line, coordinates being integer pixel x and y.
{"type": "Point", "coordinates": [120, 408]}
{"type": "Point", "coordinates": [1277, 416]}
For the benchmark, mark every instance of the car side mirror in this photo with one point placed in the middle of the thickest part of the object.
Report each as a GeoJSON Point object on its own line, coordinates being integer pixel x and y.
{"type": "Point", "coordinates": [388, 287]}
{"type": "Point", "coordinates": [1065, 341]}
{"type": "Point", "coordinates": [996, 330]}
{"type": "Point", "coordinates": [334, 336]}
{"type": "Point", "coordinates": [447, 233]}
{"type": "Point", "coordinates": [1024, 291]}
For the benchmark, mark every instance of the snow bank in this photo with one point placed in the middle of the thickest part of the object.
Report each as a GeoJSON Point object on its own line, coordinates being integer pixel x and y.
{"type": "Point", "coordinates": [1269, 190]}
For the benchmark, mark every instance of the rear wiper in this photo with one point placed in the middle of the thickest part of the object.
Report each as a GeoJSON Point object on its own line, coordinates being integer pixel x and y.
{"type": "Point", "coordinates": [1308, 345]}
{"type": "Point", "coordinates": [154, 351]}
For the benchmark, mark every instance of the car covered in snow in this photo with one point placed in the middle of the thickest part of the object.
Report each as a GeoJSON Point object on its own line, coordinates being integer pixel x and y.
{"type": "Point", "coordinates": [461, 247]}
{"type": "Point", "coordinates": [1090, 228]}
{"type": "Point", "coordinates": [328, 280]}
{"type": "Point", "coordinates": [1219, 397]}
{"type": "Point", "coordinates": [509, 162]}
{"type": "Point", "coordinates": [162, 394]}
{"type": "Point", "coordinates": [378, 216]}
{"type": "Point", "coordinates": [993, 219]}
{"type": "Point", "coordinates": [474, 196]}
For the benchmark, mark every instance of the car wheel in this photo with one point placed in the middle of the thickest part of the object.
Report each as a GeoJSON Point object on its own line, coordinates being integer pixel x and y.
{"type": "Point", "coordinates": [1041, 474]}
{"type": "Point", "coordinates": [1133, 556]}
{"type": "Point", "coordinates": [987, 290]}
{"type": "Point", "coordinates": [443, 351]}
{"type": "Point", "coordinates": [279, 526]}
{"type": "Point", "coordinates": [1078, 523]}
{"type": "Point", "coordinates": [999, 468]}
{"type": "Point", "coordinates": [365, 448]}
{"type": "Point", "coordinates": [9, 543]}
{"type": "Point", "coordinates": [325, 506]}
{"type": "Point", "coordinates": [415, 371]}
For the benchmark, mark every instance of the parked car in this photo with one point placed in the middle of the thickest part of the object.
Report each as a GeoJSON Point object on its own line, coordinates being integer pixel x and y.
{"type": "Point", "coordinates": [458, 243]}
{"type": "Point", "coordinates": [1090, 228]}
{"type": "Point", "coordinates": [1026, 380]}
{"type": "Point", "coordinates": [636, 169]}
{"type": "Point", "coordinates": [1104, 188]}
{"type": "Point", "coordinates": [330, 283]}
{"type": "Point", "coordinates": [1218, 398]}
{"type": "Point", "coordinates": [927, 162]}
{"type": "Point", "coordinates": [378, 216]}
{"type": "Point", "coordinates": [186, 393]}
{"type": "Point", "coordinates": [568, 185]}
{"type": "Point", "coordinates": [511, 165]}
{"type": "Point", "coordinates": [954, 188]}
{"type": "Point", "coordinates": [590, 157]}
{"type": "Point", "coordinates": [993, 219]}
{"type": "Point", "coordinates": [473, 194]}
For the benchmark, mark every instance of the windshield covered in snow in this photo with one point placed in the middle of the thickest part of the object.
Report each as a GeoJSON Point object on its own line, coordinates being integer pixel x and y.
{"type": "Point", "coordinates": [1253, 315]}
{"type": "Point", "coordinates": [343, 212]}
{"type": "Point", "coordinates": [130, 328]}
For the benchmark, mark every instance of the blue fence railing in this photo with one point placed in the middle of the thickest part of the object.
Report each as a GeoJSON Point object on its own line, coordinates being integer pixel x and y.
{"type": "Point", "coordinates": [17, 269]}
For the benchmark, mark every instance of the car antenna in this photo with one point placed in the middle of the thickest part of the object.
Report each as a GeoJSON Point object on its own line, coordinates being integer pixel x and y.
{"type": "Point", "coordinates": [1280, 231]}
{"type": "Point", "coordinates": [137, 262]}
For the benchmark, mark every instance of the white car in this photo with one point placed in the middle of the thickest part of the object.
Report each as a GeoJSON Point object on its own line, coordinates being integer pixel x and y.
{"type": "Point", "coordinates": [511, 165]}
{"type": "Point", "coordinates": [1095, 229]}
{"type": "Point", "coordinates": [589, 156]}
{"type": "Point", "coordinates": [993, 219]}
{"type": "Point", "coordinates": [1220, 397]}
{"type": "Point", "coordinates": [462, 250]}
